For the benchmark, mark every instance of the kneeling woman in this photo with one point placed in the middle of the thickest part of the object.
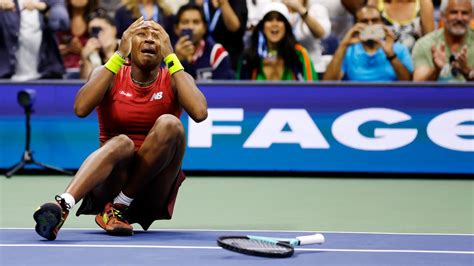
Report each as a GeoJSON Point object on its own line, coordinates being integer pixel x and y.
{"type": "Point", "coordinates": [135, 175]}
{"type": "Point", "coordinates": [274, 53]}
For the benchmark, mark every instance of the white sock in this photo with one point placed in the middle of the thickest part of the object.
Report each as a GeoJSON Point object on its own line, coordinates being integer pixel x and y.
{"type": "Point", "coordinates": [123, 199]}
{"type": "Point", "coordinates": [69, 199]}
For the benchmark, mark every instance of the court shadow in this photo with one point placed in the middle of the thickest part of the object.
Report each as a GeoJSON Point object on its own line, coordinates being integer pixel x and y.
{"type": "Point", "coordinates": [150, 236]}
{"type": "Point", "coordinates": [61, 241]}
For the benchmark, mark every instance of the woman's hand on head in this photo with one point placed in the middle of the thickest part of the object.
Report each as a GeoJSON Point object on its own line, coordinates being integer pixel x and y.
{"type": "Point", "coordinates": [125, 46]}
{"type": "Point", "coordinates": [164, 39]}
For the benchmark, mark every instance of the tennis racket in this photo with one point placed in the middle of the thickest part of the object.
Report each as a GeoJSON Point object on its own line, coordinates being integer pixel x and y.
{"type": "Point", "coordinates": [267, 246]}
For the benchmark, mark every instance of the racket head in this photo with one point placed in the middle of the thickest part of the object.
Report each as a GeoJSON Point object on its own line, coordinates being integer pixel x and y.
{"type": "Point", "coordinates": [255, 247]}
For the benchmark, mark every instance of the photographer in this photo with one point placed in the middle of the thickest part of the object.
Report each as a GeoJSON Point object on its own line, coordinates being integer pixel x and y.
{"type": "Point", "coordinates": [102, 42]}
{"type": "Point", "coordinates": [202, 58]}
{"type": "Point", "coordinates": [368, 52]}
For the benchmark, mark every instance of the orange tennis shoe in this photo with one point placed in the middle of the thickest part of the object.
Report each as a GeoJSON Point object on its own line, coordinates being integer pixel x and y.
{"type": "Point", "coordinates": [114, 220]}
{"type": "Point", "coordinates": [50, 217]}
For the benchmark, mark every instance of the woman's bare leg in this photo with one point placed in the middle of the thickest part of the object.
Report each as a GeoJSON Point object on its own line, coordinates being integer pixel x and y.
{"type": "Point", "coordinates": [160, 156]}
{"type": "Point", "coordinates": [98, 166]}
{"type": "Point", "coordinates": [158, 160]}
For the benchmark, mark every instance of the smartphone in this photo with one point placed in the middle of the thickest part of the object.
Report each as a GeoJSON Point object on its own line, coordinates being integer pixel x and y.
{"type": "Point", "coordinates": [372, 32]}
{"type": "Point", "coordinates": [187, 32]}
{"type": "Point", "coordinates": [94, 32]}
{"type": "Point", "coordinates": [65, 39]}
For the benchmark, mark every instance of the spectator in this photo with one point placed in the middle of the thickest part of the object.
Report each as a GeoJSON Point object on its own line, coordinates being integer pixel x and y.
{"type": "Point", "coordinates": [448, 53]}
{"type": "Point", "coordinates": [102, 43]}
{"type": "Point", "coordinates": [310, 23]}
{"type": "Point", "coordinates": [365, 54]}
{"type": "Point", "coordinates": [156, 10]}
{"type": "Point", "coordinates": [409, 20]}
{"type": "Point", "coordinates": [28, 46]}
{"type": "Point", "coordinates": [73, 40]}
{"type": "Point", "coordinates": [274, 53]}
{"type": "Point", "coordinates": [441, 23]}
{"type": "Point", "coordinates": [227, 20]}
{"type": "Point", "coordinates": [200, 55]}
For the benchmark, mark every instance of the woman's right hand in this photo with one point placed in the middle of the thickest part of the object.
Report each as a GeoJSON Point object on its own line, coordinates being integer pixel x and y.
{"type": "Point", "coordinates": [125, 46]}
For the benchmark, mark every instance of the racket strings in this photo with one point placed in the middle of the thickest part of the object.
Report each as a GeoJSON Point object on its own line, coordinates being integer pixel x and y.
{"type": "Point", "coordinates": [257, 245]}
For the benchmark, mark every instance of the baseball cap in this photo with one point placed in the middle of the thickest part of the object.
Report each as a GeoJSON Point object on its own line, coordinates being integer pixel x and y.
{"type": "Point", "coordinates": [277, 7]}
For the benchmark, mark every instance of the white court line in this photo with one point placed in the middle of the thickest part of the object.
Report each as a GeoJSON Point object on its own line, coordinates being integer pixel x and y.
{"type": "Point", "coordinates": [204, 247]}
{"type": "Point", "coordinates": [255, 230]}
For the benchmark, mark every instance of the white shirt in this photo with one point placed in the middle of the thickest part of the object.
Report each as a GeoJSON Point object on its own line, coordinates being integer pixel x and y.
{"type": "Point", "coordinates": [304, 36]}
{"type": "Point", "coordinates": [30, 38]}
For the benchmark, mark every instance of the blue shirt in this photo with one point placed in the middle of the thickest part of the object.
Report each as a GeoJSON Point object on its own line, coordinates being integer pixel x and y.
{"type": "Point", "coordinates": [358, 65]}
{"type": "Point", "coordinates": [211, 61]}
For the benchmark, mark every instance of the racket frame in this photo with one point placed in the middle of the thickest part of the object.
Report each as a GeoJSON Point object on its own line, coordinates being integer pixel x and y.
{"type": "Point", "coordinates": [275, 241]}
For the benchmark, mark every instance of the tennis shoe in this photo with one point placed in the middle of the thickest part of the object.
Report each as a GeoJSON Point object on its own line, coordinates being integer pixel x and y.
{"type": "Point", "coordinates": [50, 217]}
{"type": "Point", "coordinates": [114, 220]}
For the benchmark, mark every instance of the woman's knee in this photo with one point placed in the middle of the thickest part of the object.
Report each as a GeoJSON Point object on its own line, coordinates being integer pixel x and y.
{"type": "Point", "coordinates": [169, 127]}
{"type": "Point", "coordinates": [120, 147]}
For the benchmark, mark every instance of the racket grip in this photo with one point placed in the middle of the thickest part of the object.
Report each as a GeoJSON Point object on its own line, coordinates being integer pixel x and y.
{"type": "Point", "coordinates": [311, 239]}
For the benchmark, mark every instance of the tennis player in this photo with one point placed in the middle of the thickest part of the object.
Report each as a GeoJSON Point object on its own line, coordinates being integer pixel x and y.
{"type": "Point", "coordinates": [135, 175]}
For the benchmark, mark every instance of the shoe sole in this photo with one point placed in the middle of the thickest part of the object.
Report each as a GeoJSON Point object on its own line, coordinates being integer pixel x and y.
{"type": "Point", "coordinates": [47, 218]}
{"type": "Point", "coordinates": [116, 231]}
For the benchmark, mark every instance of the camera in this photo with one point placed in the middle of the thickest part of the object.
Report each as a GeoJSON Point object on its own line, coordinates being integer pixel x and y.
{"type": "Point", "coordinates": [372, 32]}
{"type": "Point", "coordinates": [94, 32]}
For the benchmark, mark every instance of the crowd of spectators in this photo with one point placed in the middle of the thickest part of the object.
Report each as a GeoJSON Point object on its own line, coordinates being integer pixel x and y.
{"type": "Point", "coordinates": [305, 40]}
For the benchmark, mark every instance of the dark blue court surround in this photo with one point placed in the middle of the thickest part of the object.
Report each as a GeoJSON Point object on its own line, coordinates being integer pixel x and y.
{"type": "Point", "coordinates": [336, 127]}
{"type": "Point", "coordinates": [187, 247]}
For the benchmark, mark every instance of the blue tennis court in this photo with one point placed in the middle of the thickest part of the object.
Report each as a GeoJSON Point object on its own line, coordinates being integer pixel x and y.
{"type": "Point", "coordinates": [425, 222]}
{"type": "Point", "coordinates": [198, 247]}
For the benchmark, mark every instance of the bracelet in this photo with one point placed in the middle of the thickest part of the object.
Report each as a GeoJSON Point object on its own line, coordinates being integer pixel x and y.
{"type": "Point", "coordinates": [115, 63]}
{"type": "Point", "coordinates": [390, 58]}
{"type": "Point", "coordinates": [173, 63]}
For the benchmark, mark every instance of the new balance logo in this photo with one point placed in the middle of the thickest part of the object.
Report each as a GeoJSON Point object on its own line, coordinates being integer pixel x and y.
{"type": "Point", "coordinates": [156, 96]}
{"type": "Point", "coordinates": [128, 94]}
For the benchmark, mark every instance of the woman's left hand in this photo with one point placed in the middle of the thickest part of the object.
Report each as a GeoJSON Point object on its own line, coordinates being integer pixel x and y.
{"type": "Point", "coordinates": [165, 44]}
